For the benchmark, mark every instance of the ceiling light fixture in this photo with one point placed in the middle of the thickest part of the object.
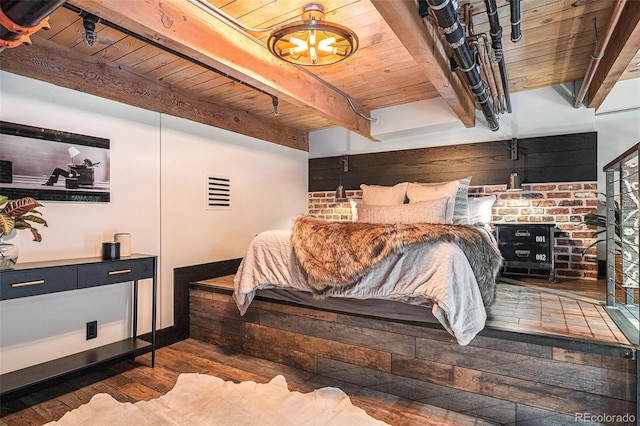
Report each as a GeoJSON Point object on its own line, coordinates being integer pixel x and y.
{"type": "Point", "coordinates": [312, 41]}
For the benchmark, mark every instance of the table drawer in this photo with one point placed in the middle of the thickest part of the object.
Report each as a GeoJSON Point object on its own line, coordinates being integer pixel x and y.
{"type": "Point", "coordinates": [111, 272]}
{"type": "Point", "coordinates": [526, 252]}
{"type": "Point", "coordinates": [524, 233]}
{"type": "Point", "coordinates": [32, 282]}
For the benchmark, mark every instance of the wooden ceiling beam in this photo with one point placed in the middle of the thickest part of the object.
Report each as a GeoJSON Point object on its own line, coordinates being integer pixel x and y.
{"type": "Point", "coordinates": [64, 67]}
{"type": "Point", "coordinates": [423, 44]}
{"type": "Point", "coordinates": [622, 48]}
{"type": "Point", "coordinates": [188, 30]}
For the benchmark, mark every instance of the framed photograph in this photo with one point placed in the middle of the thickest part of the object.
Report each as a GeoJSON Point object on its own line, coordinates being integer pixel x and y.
{"type": "Point", "coordinates": [52, 165]}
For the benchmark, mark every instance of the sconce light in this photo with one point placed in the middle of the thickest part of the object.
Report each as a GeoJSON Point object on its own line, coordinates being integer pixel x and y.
{"type": "Point", "coordinates": [344, 166]}
{"type": "Point", "coordinates": [313, 41]}
{"type": "Point", "coordinates": [514, 184]}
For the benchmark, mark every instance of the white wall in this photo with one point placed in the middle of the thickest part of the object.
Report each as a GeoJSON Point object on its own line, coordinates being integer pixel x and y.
{"type": "Point", "coordinates": [618, 124]}
{"type": "Point", "coordinates": [269, 187]}
{"type": "Point", "coordinates": [541, 112]}
{"type": "Point", "coordinates": [158, 165]}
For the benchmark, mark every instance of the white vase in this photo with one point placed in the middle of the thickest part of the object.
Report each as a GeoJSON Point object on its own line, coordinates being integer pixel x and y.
{"type": "Point", "coordinates": [8, 255]}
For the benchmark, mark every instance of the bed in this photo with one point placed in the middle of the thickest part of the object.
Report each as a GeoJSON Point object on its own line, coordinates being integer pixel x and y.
{"type": "Point", "coordinates": [447, 269]}
{"type": "Point", "coordinates": [431, 252]}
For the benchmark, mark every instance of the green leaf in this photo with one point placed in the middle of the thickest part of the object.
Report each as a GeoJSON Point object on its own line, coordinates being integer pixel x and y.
{"type": "Point", "coordinates": [16, 214]}
{"type": "Point", "coordinates": [34, 219]}
{"type": "Point", "coordinates": [6, 224]}
{"type": "Point", "coordinates": [600, 221]}
{"type": "Point", "coordinates": [16, 208]}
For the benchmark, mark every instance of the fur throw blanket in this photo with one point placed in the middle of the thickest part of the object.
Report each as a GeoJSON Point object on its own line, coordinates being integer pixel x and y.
{"type": "Point", "coordinates": [337, 254]}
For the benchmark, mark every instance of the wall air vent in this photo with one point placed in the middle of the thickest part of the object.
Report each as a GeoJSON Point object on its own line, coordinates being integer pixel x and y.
{"type": "Point", "coordinates": [218, 192]}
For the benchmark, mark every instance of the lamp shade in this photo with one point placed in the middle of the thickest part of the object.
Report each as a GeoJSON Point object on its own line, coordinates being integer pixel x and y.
{"type": "Point", "coordinates": [73, 151]}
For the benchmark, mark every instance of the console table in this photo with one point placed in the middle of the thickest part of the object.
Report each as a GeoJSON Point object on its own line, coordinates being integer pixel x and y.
{"type": "Point", "coordinates": [37, 278]}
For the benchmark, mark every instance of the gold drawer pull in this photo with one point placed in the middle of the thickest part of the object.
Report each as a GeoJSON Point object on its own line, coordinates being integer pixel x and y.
{"type": "Point", "coordinates": [121, 271]}
{"type": "Point", "coordinates": [26, 283]}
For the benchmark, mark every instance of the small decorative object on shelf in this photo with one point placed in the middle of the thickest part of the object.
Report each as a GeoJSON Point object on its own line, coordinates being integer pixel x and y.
{"type": "Point", "coordinates": [110, 250]}
{"type": "Point", "coordinates": [124, 238]}
{"type": "Point", "coordinates": [16, 214]}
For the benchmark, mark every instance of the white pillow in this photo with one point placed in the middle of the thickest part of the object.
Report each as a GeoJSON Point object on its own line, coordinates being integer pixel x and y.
{"type": "Point", "coordinates": [431, 211]}
{"type": "Point", "coordinates": [384, 195]}
{"type": "Point", "coordinates": [430, 191]}
{"type": "Point", "coordinates": [480, 209]}
{"type": "Point", "coordinates": [354, 211]}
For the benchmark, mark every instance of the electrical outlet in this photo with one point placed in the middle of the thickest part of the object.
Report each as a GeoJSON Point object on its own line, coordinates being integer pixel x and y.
{"type": "Point", "coordinates": [92, 330]}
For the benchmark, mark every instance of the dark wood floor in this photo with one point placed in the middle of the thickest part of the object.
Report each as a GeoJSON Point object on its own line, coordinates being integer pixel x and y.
{"type": "Point", "coordinates": [131, 381]}
{"type": "Point", "coordinates": [572, 308]}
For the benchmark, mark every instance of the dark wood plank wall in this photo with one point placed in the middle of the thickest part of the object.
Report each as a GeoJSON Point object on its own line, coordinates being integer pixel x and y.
{"type": "Point", "coordinates": [561, 158]}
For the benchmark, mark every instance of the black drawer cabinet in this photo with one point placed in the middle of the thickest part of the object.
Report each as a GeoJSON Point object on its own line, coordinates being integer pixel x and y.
{"type": "Point", "coordinates": [37, 278]}
{"type": "Point", "coordinates": [527, 245]}
{"type": "Point", "coordinates": [112, 272]}
{"type": "Point", "coordinates": [32, 282]}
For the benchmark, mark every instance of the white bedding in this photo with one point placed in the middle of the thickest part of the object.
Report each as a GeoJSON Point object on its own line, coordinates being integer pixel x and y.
{"type": "Point", "coordinates": [437, 275]}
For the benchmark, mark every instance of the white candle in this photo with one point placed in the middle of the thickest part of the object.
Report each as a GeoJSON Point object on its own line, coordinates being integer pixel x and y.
{"type": "Point", "coordinates": [124, 239]}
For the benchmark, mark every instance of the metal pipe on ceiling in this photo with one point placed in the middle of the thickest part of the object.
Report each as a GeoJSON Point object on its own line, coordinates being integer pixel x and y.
{"type": "Point", "coordinates": [482, 48]}
{"type": "Point", "coordinates": [447, 17]}
{"type": "Point", "coordinates": [599, 49]}
{"type": "Point", "coordinates": [21, 18]}
{"type": "Point", "coordinates": [274, 99]}
{"type": "Point", "coordinates": [496, 42]}
{"type": "Point", "coordinates": [516, 33]}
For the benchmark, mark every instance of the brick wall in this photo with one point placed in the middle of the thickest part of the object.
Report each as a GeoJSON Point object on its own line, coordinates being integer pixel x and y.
{"type": "Point", "coordinates": [564, 204]}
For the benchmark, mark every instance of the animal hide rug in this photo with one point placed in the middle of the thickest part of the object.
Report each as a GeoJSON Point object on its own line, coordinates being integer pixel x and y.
{"type": "Point", "coordinates": [338, 254]}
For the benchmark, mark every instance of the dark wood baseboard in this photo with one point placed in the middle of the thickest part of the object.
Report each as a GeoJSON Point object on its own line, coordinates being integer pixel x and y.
{"type": "Point", "coordinates": [183, 277]}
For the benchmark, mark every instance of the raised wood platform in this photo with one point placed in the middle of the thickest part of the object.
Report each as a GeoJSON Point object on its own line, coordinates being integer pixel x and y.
{"type": "Point", "coordinates": [503, 376]}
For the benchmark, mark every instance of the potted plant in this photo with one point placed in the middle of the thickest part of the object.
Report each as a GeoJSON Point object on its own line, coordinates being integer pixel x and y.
{"type": "Point", "coordinates": [600, 222]}
{"type": "Point", "coordinates": [17, 214]}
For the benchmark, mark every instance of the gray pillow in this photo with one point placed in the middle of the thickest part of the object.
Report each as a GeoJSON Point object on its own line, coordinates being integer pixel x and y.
{"type": "Point", "coordinates": [461, 209]}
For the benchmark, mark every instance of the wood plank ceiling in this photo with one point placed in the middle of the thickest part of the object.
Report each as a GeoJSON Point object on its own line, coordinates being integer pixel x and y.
{"type": "Point", "coordinates": [172, 57]}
